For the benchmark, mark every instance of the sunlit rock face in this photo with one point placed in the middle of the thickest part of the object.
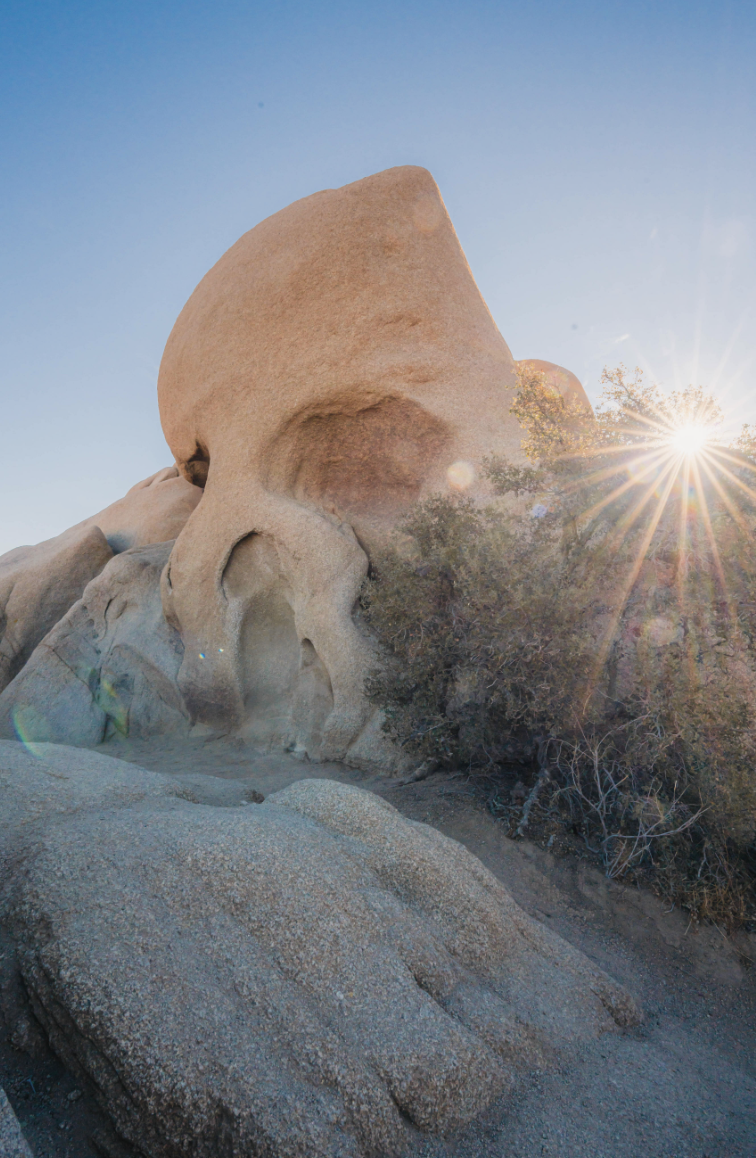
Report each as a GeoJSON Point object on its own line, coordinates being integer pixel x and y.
{"type": "Point", "coordinates": [152, 511]}
{"type": "Point", "coordinates": [335, 366]}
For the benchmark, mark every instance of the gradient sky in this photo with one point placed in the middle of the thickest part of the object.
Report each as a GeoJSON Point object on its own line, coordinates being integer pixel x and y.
{"type": "Point", "coordinates": [598, 161]}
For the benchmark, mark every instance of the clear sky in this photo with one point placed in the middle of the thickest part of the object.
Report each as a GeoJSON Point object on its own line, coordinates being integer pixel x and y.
{"type": "Point", "coordinates": [598, 161]}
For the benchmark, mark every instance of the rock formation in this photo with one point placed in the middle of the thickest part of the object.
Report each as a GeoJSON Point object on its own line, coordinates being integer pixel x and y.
{"type": "Point", "coordinates": [325, 374]}
{"type": "Point", "coordinates": [568, 385]}
{"type": "Point", "coordinates": [109, 665]}
{"type": "Point", "coordinates": [152, 511]}
{"type": "Point", "coordinates": [335, 366]}
{"type": "Point", "coordinates": [311, 977]}
{"type": "Point", "coordinates": [39, 584]}
{"type": "Point", "coordinates": [37, 587]}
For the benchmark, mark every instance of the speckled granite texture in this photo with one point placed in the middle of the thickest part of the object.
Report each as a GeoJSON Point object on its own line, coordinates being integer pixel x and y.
{"type": "Point", "coordinates": [310, 977]}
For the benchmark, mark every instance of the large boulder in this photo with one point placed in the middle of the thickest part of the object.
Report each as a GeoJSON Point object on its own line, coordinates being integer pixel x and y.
{"type": "Point", "coordinates": [313, 976]}
{"type": "Point", "coordinates": [328, 372]}
{"type": "Point", "coordinates": [109, 665]}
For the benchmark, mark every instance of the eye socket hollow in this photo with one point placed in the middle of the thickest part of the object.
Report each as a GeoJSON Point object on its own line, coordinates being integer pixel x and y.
{"type": "Point", "coordinates": [195, 468]}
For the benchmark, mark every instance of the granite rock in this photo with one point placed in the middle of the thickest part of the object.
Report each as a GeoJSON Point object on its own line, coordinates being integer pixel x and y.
{"type": "Point", "coordinates": [307, 977]}
{"type": "Point", "coordinates": [109, 665]}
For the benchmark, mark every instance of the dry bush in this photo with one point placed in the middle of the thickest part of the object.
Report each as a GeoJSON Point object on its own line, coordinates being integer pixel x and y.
{"type": "Point", "coordinates": [590, 632]}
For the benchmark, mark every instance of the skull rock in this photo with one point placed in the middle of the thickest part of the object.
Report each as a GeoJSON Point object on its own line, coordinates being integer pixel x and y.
{"type": "Point", "coordinates": [326, 374]}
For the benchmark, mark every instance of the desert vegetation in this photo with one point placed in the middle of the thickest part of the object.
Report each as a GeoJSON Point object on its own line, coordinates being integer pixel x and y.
{"type": "Point", "coordinates": [583, 644]}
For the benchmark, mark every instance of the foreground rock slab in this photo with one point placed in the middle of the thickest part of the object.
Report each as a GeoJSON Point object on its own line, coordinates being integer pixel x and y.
{"type": "Point", "coordinates": [310, 976]}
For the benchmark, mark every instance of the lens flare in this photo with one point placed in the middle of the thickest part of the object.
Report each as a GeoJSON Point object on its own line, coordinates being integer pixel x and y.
{"type": "Point", "coordinates": [460, 475]}
{"type": "Point", "coordinates": [660, 470]}
{"type": "Point", "coordinates": [29, 726]}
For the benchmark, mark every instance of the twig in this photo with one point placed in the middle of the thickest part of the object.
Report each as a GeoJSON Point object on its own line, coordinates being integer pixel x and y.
{"type": "Point", "coordinates": [543, 779]}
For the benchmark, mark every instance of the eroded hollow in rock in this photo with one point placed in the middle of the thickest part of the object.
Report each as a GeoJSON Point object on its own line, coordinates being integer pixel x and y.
{"type": "Point", "coordinates": [286, 688]}
{"type": "Point", "coordinates": [195, 469]}
{"type": "Point", "coordinates": [363, 456]}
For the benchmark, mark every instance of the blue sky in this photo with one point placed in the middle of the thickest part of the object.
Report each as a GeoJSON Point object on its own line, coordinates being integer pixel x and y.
{"type": "Point", "coordinates": [597, 160]}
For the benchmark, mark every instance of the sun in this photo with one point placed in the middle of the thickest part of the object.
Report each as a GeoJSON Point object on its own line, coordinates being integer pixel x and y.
{"type": "Point", "coordinates": [691, 439]}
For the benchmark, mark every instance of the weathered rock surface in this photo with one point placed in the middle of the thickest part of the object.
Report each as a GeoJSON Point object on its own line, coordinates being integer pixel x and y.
{"type": "Point", "coordinates": [109, 664]}
{"type": "Point", "coordinates": [336, 365]}
{"type": "Point", "coordinates": [312, 976]}
{"type": "Point", "coordinates": [38, 585]}
{"type": "Point", "coordinates": [152, 511]}
{"type": "Point", "coordinates": [323, 376]}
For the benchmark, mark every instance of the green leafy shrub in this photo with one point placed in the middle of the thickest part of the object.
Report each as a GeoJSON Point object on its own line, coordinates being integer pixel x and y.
{"type": "Point", "coordinates": [590, 632]}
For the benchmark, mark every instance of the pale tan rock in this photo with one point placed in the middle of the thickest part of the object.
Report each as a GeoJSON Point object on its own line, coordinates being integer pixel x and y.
{"type": "Point", "coordinates": [335, 366]}
{"type": "Point", "coordinates": [152, 511]}
{"type": "Point", "coordinates": [567, 383]}
{"type": "Point", "coordinates": [323, 376]}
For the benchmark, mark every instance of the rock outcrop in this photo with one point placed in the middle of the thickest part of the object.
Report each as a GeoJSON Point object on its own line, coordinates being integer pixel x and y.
{"type": "Point", "coordinates": [152, 511]}
{"type": "Point", "coordinates": [567, 383]}
{"type": "Point", "coordinates": [110, 664]}
{"type": "Point", "coordinates": [335, 366]}
{"type": "Point", "coordinates": [38, 585]}
{"type": "Point", "coordinates": [323, 376]}
{"type": "Point", "coordinates": [310, 977]}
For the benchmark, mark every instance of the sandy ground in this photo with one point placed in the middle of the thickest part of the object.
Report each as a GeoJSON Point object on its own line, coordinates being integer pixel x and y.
{"type": "Point", "coordinates": [683, 1085]}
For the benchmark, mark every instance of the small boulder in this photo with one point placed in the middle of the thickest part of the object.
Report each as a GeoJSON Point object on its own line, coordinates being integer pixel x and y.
{"type": "Point", "coordinates": [567, 383]}
{"type": "Point", "coordinates": [38, 585]}
{"type": "Point", "coordinates": [152, 511]}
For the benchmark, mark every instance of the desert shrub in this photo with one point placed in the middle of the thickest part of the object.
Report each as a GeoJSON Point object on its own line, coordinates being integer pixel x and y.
{"type": "Point", "coordinates": [590, 630]}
